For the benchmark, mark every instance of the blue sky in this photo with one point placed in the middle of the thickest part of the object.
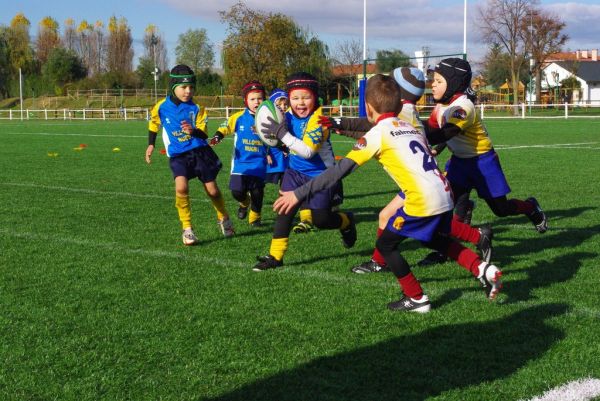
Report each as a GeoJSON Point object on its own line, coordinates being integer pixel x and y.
{"type": "Point", "coordinates": [405, 25]}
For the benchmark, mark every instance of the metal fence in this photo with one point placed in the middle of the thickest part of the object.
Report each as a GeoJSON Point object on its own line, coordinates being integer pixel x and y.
{"type": "Point", "coordinates": [486, 111]}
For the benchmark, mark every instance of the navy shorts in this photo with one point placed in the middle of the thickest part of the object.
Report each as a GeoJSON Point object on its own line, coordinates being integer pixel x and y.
{"type": "Point", "coordinates": [325, 199]}
{"type": "Point", "coordinates": [245, 183]}
{"type": "Point", "coordinates": [274, 178]}
{"type": "Point", "coordinates": [482, 173]}
{"type": "Point", "coordinates": [201, 162]}
{"type": "Point", "coordinates": [419, 228]}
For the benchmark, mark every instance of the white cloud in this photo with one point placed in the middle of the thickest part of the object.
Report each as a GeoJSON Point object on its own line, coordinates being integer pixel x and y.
{"type": "Point", "coordinates": [581, 23]}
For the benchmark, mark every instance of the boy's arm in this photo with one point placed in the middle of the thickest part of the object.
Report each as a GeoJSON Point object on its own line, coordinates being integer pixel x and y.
{"type": "Point", "coordinates": [226, 128]}
{"type": "Point", "coordinates": [350, 127]}
{"type": "Point", "coordinates": [306, 148]}
{"type": "Point", "coordinates": [201, 123]}
{"type": "Point", "coordinates": [153, 127]}
{"type": "Point", "coordinates": [440, 135]}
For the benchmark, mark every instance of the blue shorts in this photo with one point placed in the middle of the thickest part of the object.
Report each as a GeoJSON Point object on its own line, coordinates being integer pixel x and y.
{"type": "Point", "coordinates": [482, 173]}
{"type": "Point", "coordinates": [419, 228]}
{"type": "Point", "coordinates": [245, 183]}
{"type": "Point", "coordinates": [274, 178]}
{"type": "Point", "coordinates": [201, 162]}
{"type": "Point", "coordinates": [325, 199]}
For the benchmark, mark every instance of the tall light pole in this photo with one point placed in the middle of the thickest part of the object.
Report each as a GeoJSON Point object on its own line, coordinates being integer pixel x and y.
{"type": "Point", "coordinates": [465, 30]}
{"type": "Point", "coordinates": [154, 42]}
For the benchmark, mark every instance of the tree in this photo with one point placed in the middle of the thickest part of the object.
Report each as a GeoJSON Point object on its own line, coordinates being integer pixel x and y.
{"type": "Point", "coordinates": [544, 37]}
{"type": "Point", "coordinates": [47, 38]}
{"type": "Point", "coordinates": [97, 49]}
{"type": "Point", "coordinates": [119, 53]}
{"type": "Point", "coordinates": [155, 48]}
{"type": "Point", "coordinates": [266, 46]}
{"type": "Point", "coordinates": [21, 54]}
{"type": "Point", "coordinates": [62, 66]}
{"type": "Point", "coordinates": [500, 22]}
{"type": "Point", "coordinates": [195, 50]}
{"type": "Point", "coordinates": [387, 60]}
{"type": "Point", "coordinates": [70, 35]}
{"type": "Point", "coordinates": [346, 56]}
{"type": "Point", "coordinates": [5, 67]}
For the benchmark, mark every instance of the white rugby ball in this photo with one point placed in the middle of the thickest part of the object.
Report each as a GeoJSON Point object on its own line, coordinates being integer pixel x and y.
{"type": "Point", "coordinates": [265, 110]}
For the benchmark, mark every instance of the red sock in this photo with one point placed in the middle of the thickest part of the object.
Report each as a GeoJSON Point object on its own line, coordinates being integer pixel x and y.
{"type": "Point", "coordinates": [522, 207]}
{"type": "Point", "coordinates": [464, 231]}
{"type": "Point", "coordinates": [378, 257]}
{"type": "Point", "coordinates": [464, 257]}
{"type": "Point", "coordinates": [410, 286]}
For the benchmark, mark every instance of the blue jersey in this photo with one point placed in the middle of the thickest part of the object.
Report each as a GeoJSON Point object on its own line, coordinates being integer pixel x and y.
{"type": "Point", "coordinates": [249, 153]}
{"type": "Point", "coordinates": [279, 161]}
{"type": "Point", "coordinates": [315, 137]}
{"type": "Point", "coordinates": [169, 116]}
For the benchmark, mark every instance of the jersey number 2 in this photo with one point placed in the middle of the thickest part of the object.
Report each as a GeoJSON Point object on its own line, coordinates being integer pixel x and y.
{"type": "Point", "coordinates": [428, 161]}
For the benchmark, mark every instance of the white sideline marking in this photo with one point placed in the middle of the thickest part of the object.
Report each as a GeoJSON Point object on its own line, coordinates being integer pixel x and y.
{"type": "Point", "coordinates": [84, 135]}
{"type": "Point", "coordinates": [579, 390]}
{"type": "Point", "coordinates": [113, 246]}
{"type": "Point", "coordinates": [92, 191]}
{"type": "Point", "coordinates": [553, 145]}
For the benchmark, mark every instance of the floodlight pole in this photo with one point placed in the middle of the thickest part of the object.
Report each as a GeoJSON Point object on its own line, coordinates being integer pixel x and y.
{"type": "Point", "coordinates": [154, 41]}
{"type": "Point", "coordinates": [21, 92]}
{"type": "Point", "coordinates": [465, 30]}
{"type": "Point", "coordinates": [364, 39]}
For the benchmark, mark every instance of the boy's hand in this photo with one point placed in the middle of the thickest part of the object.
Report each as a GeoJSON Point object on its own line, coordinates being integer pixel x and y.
{"type": "Point", "coordinates": [186, 127]}
{"type": "Point", "coordinates": [149, 151]}
{"type": "Point", "coordinates": [330, 122]}
{"type": "Point", "coordinates": [269, 160]}
{"type": "Point", "coordinates": [274, 130]}
{"type": "Point", "coordinates": [215, 140]}
{"type": "Point", "coordinates": [285, 203]}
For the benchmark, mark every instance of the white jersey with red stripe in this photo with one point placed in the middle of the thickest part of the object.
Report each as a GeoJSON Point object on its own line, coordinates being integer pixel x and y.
{"type": "Point", "coordinates": [403, 152]}
{"type": "Point", "coordinates": [473, 139]}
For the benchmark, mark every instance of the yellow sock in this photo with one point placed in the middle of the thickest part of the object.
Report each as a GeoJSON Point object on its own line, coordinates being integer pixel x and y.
{"type": "Point", "coordinates": [278, 247]}
{"type": "Point", "coordinates": [306, 215]}
{"type": "Point", "coordinates": [182, 203]}
{"type": "Point", "coordinates": [253, 216]}
{"type": "Point", "coordinates": [345, 221]}
{"type": "Point", "coordinates": [219, 205]}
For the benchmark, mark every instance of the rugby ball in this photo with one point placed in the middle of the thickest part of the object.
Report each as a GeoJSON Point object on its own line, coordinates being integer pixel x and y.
{"type": "Point", "coordinates": [265, 110]}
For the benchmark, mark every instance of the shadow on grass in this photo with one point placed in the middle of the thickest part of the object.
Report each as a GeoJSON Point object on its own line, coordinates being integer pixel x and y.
{"type": "Point", "coordinates": [418, 366]}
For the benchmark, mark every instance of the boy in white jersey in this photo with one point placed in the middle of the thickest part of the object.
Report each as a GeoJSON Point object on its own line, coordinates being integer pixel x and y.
{"type": "Point", "coordinates": [427, 211]}
{"type": "Point", "coordinates": [412, 86]}
{"type": "Point", "coordinates": [474, 163]}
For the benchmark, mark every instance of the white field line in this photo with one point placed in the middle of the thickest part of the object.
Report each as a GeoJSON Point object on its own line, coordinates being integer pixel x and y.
{"type": "Point", "coordinates": [115, 247]}
{"type": "Point", "coordinates": [335, 140]}
{"type": "Point", "coordinates": [579, 390]}
{"type": "Point", "coordinates": [91, 191]}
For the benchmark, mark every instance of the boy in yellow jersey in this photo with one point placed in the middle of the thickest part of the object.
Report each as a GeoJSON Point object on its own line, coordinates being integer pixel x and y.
{"type": "Point", "coordinates": [310, 154]}
{"type": "Point", "coordinates": [427, 210]}
{"type": "Point", "coordinates": [412, 86]}
{"type": "Point", "coordinates": [183, 126]}
{"type": "Point", "coordinates": [474, 163]}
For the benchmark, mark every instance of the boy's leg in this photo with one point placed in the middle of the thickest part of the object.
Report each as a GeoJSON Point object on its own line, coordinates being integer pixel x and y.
{"type": "Point", "coordinates": [279, 242]}
{"type": "Point", "coordinates": [184, 210]}
{"type": "Point", "coordinates": [218, 202]}
{"type": "Point", "coordinates": [344, 221]}
{"type": "Point", "coordinates": [501, 206]}
{"type": "Point", "coordinates": [488, 274]}
{"type": "Point", "coordinates": [306, 222]}
{"type": "Point", "coordinates": [414, 299]}
{"type": "Point", "coordinates": [377, 263]}
{"type": "Point", "coordinates": [256, 203]}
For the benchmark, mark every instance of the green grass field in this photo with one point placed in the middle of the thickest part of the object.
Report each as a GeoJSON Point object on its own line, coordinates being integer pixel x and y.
{"type": "Point", "coordinates": [99, 300]}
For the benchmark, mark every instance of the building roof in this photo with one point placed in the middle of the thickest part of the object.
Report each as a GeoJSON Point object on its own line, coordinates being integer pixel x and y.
{"type": "Point", "coordinates": [356, 69]}
{"type": "Point", "coordinates": [589, 71]}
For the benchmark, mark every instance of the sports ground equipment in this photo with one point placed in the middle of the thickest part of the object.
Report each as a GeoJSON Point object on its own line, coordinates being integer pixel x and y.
{"type": "Point", "coordinates": [189, 237]}
{"type": "Point", "coordinates": [489, 276]}
{"type": "Point", "coordinates": [370, 267]}
{"type": "Point", "coordinates": [408, 304]}
{"type": "Point", "coordinates": [538, 217]}
{"type": "Point", "coordinates": [266, 263]}
{"type": "Point", "coordinates": [484, 245]}
{"type": "Point", "coordinates": [349, 233]}
{"type": "Point", "coordinates": [265, 115]}
{"type": "Point", "coordinates": [226, 227]}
